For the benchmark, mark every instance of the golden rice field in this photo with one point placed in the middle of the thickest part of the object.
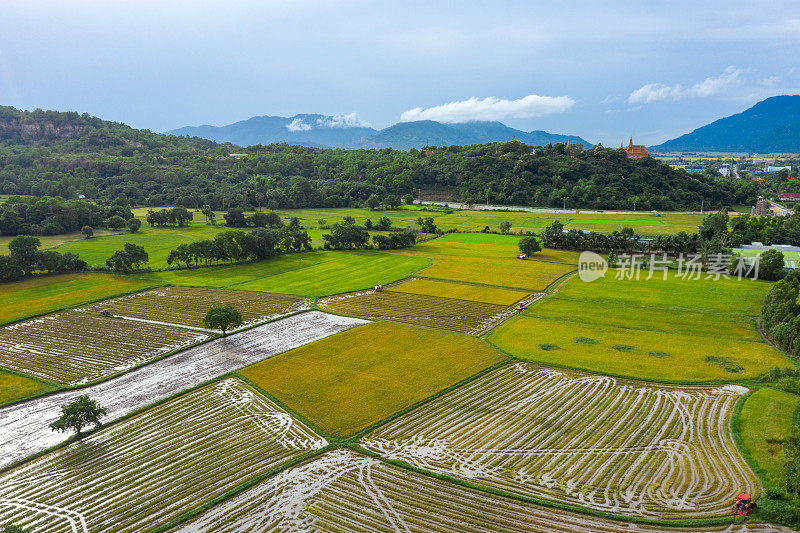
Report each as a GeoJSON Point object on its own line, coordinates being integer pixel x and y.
{"type": "Point", "coordinates": [459, 291]}
{"type": "Point", "coordinates": [529, 274]}
{"type": "Point", "coordinates": [463, 316]}
{"type": "Point", "coordinates": [43, 294]}
{"type": "Point", "coordinates": [148, 470]}
{"type": "Point", "coordinates": [345, 382]}
{"type": "Point", "coordinates": [187, 306]}
{"type": "Point", "coordinates": [73, 348]}
{"type": "Point", "coordinates": [585, 440]}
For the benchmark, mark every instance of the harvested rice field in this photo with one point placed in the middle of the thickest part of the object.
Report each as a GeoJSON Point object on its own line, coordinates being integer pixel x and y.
{"type": "Point", "coordinates": [159, 380]}
{"type": "Point", "coordinates": [460, 291]}
{"type": "Point", "coordinates": [462, 316]}
{"type": "Point", "coordinates": [74, 348]}
{"type": "Point", "coordinates": [586, 440]}
{"type": "Point", "coordinates": [149, 469]}
{"type": "Point", "coordinates": [348, 381]}
{"type": "Point", "coordinates": [187, 306]}
{"type": "Point", "coordinates": [346, 491]}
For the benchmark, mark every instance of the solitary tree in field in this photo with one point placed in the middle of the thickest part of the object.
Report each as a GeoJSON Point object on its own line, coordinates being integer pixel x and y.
{"type": "Point", "coordinates": [223, 317]}
{"type": "Point", "coordinates": [505, 226]}
{"type": "Point", "coordinates": [87, 231]}
{"type": "Point", "coordinates": [78, 414]}
{"type": "Point", "coordinates": [529, 245]}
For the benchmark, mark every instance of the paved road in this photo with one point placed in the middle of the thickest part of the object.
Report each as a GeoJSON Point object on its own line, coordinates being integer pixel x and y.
{"type": "Point", "coordinates": [485, 207]}
{"type": "Point", "coordinates": [24, 426]}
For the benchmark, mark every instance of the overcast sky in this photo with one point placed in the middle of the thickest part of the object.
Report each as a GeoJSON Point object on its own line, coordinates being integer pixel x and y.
{"type": "Point", "coordinates": [602, 70]}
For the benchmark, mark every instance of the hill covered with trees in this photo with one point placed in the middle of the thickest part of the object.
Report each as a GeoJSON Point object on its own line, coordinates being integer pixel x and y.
{"type": "Point", "coordinates": [46, 153]}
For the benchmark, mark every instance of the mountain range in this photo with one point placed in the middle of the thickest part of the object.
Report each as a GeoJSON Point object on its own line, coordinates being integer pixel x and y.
{"type": "Point", "coordinates": [771, 125]}
{"type": "Point", "coordinates": [344, 131]}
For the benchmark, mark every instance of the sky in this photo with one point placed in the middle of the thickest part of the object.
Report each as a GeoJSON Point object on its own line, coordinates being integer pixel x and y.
{"type": "Point", "coordinates": [603, 70]}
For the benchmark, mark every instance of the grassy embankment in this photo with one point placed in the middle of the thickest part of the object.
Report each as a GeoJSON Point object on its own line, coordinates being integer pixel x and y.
{"type": "Point", "coordinates": [765, 422]}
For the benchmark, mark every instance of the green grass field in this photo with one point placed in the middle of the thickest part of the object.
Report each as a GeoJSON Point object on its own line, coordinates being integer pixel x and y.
{"type": "Point", "coordinates": [673, 329]}
{"type": "Point", "coordinates": [33, 296]}
{"type": "Point", "coordinates": [466, 220]}
{"type": "Point", "coordinates": [312, 274]}
{"type": "Point", "coordinates": [481, 238]}
{"type": "Point", "coordinates": [650, 355]}
{"type": "Point", "coordinates": [709, 323]}
{"type": "Point", "coordinates": [766, 421]}
{"type": "Point", "coordinates": [726, 295]}
{"type": "Point", "coordinates": [790, 259]}
{"type": "Point", "coordinates": [351, 380]}
{"type": "Point", "coordinates": [14, 387]}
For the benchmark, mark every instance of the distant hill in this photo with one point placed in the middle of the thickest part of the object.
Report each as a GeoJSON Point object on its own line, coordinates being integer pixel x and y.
{"type": "Point", "coordinates": [303, 129]}
{"type": "Point", "coordinates": [406, 135]}
{"type": "Point", "coordinates": [335, 131]}
{"type": "Point", "coordinates": [772, 125]}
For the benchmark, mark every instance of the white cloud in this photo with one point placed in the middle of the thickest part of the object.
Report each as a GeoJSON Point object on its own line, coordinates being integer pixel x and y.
{"type": "Point", "coordinates": [491, 108]}
{"type": "Point", "coordinates": [653, 92]}
{"type": "Point", "coordinates": [298, 125]}
{"type": "Point", "coordinates": [349, 120]}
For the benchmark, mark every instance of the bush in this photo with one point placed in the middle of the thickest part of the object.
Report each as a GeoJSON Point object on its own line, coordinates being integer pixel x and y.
{"type": "Point", "coordinates": [115, 223]}
{"type": "Point", "coordinates": [87, 231]}
{"type": "Point", "coordinates": [133, 225]}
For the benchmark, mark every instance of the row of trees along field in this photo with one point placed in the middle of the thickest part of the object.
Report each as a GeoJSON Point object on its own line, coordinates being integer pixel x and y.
{"type": "Point", "coordinates": [66, 154]}
{"type": "Point", "coordinates": [27, 215]}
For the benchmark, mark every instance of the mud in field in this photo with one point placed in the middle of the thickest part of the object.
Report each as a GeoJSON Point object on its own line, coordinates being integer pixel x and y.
{"type": "Point", "coordinates": [24, 427]}
{"type": "Point", "coordinates": [630, 448]}
{"type": "Point", "coordinates": [147, 470]}
{"type": "Point", "coordinates": [346, 491]}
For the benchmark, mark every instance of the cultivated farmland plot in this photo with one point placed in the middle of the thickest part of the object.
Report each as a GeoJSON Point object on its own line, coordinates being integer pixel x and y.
{"type": "Point", "coordinates": [74, 348]}
{"type": "Point", "coordinates": [187, 306]}
{"type": "Point", "coordinates": [463, 316]}
{"type": "Point", "coordinates": [345, 491]}
{"type": "Point", "coordinates": [27, 422]}
{"type": "Point", "coordinates": [586, 440]}
{"type": "Point", "coordinates": [145, 471]}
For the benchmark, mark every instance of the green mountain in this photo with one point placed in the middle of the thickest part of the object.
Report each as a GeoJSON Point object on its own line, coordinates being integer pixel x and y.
{"type": "Point", "coordinates": [305, 130]}
{"type": "Point", "coordinates": [407, 135]}
{"type": "Point", "coordinates": [772, 125]}
{"type": "Point", "coordinates": [343, 131]}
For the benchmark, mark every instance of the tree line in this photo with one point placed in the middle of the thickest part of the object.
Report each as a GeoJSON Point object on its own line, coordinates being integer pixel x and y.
{"type": "Point", "coordinates": [27, 215]}
{"type": "Point", "coordinates": [25, 258]}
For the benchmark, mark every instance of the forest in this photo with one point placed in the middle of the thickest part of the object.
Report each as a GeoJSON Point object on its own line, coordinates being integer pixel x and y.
{"type": "Point", "coordinates": [48, 153]}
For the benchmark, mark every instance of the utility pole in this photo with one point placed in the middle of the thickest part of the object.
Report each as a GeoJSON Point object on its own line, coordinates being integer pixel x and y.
{"type": "Point", "coordinates": [702, 203]}
{"type": "Point", "coordinates": [634, 206]}
{"type": "Point", "coordinates": [565, 202]}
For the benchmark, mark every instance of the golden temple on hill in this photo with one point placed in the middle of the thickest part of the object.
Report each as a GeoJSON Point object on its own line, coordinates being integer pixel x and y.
{"type": "Point", "coordinates": [635, 151]}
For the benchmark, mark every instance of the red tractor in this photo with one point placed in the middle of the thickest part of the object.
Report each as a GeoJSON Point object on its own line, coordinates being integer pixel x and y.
{"type": "Point", "coordinates": [743, 505]}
